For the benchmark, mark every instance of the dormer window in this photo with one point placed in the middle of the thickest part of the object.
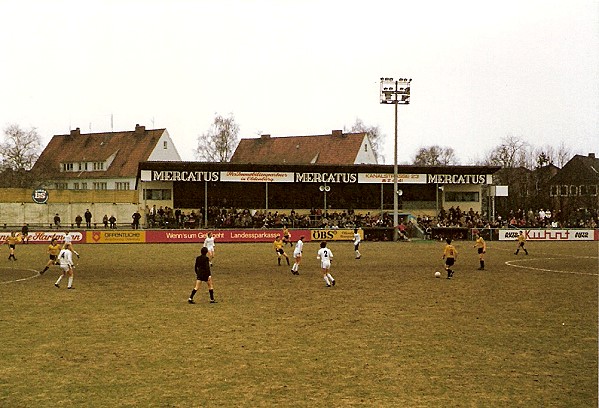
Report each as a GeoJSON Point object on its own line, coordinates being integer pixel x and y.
{"type": "Point", "coordinates": [98, 166]}
{"type": "Point", "coordinates": [68, 166]}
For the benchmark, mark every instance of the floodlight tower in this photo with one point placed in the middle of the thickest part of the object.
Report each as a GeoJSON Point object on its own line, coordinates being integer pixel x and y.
{"type": "Point", "coordinates": [396, 92]}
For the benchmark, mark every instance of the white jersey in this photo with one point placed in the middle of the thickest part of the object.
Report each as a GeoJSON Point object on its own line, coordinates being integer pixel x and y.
{"type": "Point", "coordinates": [325, 255]}
{"type": "Point", "coordinates": [356, 238]}
{"type": "Point", "coordinates": [65, 257]}
{"type": "Point", "coordinates": [209, 243]}
{"type": "Point", "coordinates": [299, 247]}
{"type": "Point", "coordinates": [68, 239]}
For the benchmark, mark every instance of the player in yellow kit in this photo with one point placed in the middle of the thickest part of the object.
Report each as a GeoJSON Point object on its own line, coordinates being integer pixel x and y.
{"type": "Point", "coordinates": [481, 246]}
{"type": "Point", "coordinates": [11, 241]}
{"type": "Point", "coordinates": [450, 255]}
{"type": "Point", "coordinates": [278, 246]}
{"type": "Point", "coordinates": [53, 251]}
{"type": "Point", "coordinates": [521, 241]}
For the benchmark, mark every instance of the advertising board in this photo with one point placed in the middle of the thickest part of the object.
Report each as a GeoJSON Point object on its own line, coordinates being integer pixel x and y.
{"type": "Point", "coordinates": [548, 234]}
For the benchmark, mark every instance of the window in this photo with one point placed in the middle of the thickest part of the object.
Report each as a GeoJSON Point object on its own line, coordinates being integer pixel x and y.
{"type": "Point", "coordinates": [83, 186]}
{"type": "Point", "coordinates": [365, 147]}
{"type": "Point", "coordinates": [122, 185]}
{"type": "Point", "coordinates": [101, 185]}
{"type": "Point", "coordinates": [592, 190]}
{"type": "Point", "coordinates": [554, 191]}
{"type": "Point", "coordinates": [98, 165]}
{"type": "Point", "coordinates": [165, 144]}
{"type": "Point", "coordinates": [67, 167]}
{"type": "Point", "coordinates": [583, 190]}
{"type": "Point", "coordinates": [573, 190]}
{"type": "Point", "coordinates": [157, 194]}
{"type": "Point", "coordinates": [75, 186]}
{"type": "Point", "coordinates": [461, 196]}
{"type": "Point", "coordinates": [564, 191]}
{"type": "Point", "coordinates": [62, 186]}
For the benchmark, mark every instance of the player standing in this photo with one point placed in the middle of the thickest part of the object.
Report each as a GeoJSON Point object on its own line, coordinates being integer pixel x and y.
{"type": "Point", "coordinates": [202, 269]}
{"type": "Point", "coordinates": [278, 246]}
{"type": "Point", "coordinates": [297, 254]}
{"type": "Point", "coordinates": [481, 246]}
{"type": "Point", "coordinates": [521, 241]}
{"type": "Point", "coordinates": [11, 241]}
{"type": "Point", "coordinates": [450, 254]}
{"type": "Point", "coordinates": [53, 251]}
{"type": "Point", "coordinates": [286, 236]}
{"type": "Point", "coordinates": [209, 244]}
{"type": "Point", "coordinates": [326, 255]}
{"type": "Point", "coordinates": [65, 257]}
{"type": "Point", "coordinates": [357, 240]}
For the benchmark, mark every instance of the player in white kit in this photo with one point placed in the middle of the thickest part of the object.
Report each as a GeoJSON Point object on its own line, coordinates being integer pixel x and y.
{"type": "Point", "coordinates": [209, 244]}
{"type": "Point", "coordinates": [297, 254]}
{"type": "Point", "coordinates": [326, 255]}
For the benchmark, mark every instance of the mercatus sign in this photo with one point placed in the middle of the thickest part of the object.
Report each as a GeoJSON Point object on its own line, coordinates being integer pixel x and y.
{"type": "Point", "coordinates": [457, 179]}
{"type": "Point", "coordinates": [174, 175]}
{"type": "Point", "coordinates": [326, 177]}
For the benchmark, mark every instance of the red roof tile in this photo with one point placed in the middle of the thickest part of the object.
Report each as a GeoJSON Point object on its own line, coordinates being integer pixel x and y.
{"type": "Point", "coordinates": [336, 148]}
{"type": "Point", "coordinates": [130, 147]}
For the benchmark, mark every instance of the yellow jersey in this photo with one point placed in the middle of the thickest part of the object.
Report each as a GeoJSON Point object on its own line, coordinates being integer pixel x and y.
{"type": "Point", "coordinates": [450, 252]}
{"type": "Point", "coordinates": [521, 238]}
{"type": "Point", "coordinates": [277, 244]}
{"type": "Point", "coordinates": [54, 249]}
{"type": "Point", "coordinates": [480, 243]}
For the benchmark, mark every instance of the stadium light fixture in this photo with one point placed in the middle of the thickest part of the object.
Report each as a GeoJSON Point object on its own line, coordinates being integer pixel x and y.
{"type": "Point", "coordinates": [396, 92]}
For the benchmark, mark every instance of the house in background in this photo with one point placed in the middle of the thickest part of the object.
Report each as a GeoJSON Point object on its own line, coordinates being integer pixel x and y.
{"type": "Point", "coordinates": [338, 148]}
{"type": "Point", "coordinates": [576, 185]}
{"type": "Point", "coordinates": [101, 161]}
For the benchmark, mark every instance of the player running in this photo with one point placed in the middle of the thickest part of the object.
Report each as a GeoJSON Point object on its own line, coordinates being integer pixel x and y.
{"type": "Point", "coordinates": [53, 251]}
{"type": "Point", "coordinates": [297, 254]}
{"type": "Point", "coordinates": [521, 242]}
{"type": "Point", "coordinates": [11, 241]}
{"type": "Point", "coordinates": [65, 257]}
{"type": "Point", "coordinates": [209, 244]}
{"type": "Point", "coordinates": [326, 255]}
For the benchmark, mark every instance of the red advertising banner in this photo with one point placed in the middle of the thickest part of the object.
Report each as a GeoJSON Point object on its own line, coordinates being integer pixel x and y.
{"type": "Point", "coordinates": [193, 236]}
{"type": "Point", "coordinates": [44, 237]}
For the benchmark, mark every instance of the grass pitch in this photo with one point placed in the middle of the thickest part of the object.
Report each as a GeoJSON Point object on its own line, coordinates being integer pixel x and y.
{"type": "Point", "coordinates": [389, 334]}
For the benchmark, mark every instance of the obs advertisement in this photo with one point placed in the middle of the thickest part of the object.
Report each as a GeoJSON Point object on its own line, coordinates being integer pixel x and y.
{"type": "Point", "coordinates": [550, 235]}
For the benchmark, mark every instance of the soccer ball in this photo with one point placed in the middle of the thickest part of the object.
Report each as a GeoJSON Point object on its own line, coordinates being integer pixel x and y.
{"type": "Point", "coordinates": [437, 274]}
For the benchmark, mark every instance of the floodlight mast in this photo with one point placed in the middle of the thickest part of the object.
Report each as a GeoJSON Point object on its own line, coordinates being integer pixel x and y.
{"type": "Point", "coordinates": [395, 92]}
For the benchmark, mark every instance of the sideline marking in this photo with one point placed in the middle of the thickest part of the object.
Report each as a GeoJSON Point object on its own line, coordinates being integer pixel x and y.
{"type": "Point", "coordinates": [509, 263]}
{"type": "Point", "coordinates": [22, 279]}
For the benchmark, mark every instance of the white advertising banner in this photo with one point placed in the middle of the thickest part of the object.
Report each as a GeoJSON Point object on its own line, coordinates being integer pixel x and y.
{"type": "Point", "coordinates": [388, 178]}
{"type": "Point", "coordinates": [548, 234]}
{"type": "Point", "coordinates": [254, 177]}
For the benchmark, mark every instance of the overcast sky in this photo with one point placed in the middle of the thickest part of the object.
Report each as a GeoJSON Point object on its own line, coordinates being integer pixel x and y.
{"type": "Point", "coordinates": [481, 70]}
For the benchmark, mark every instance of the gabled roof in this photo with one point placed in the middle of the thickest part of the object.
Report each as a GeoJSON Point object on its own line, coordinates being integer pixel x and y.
{"type": "Point", "coordinates": [579, 170]}
{"type": "Point", "coordinates": [129, 149]}
{"type": "Point", "coordinates": [337, 148]}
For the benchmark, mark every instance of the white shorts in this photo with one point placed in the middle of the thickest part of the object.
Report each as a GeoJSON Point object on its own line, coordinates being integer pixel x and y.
{"type": "Point", "coordinates": [297, 253]}
{"type": "Point", "coordinates": [65, 267]}
{"type": "Point", "coordinates": [325, 264]}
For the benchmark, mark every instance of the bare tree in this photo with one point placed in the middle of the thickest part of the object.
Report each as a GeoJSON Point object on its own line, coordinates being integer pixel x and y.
{"type": "Point", "coordinates": [563, 154]}
{"type": "Point", "coordinates": [20, 148]}
{"type": "Point", "coordinates": [219, 142]}
{"type": "Point", "coordinates": [512, 152]}
{"type": "Point", "coordinates": [374, 136]}
{"type": "Point", "coordinates": [18, 152]}
{"type": "Point", "coordinates": [435, 156]}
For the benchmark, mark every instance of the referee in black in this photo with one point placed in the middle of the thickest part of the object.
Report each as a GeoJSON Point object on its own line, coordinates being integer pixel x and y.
{"type": "Point", "coordinates": [202, 269]}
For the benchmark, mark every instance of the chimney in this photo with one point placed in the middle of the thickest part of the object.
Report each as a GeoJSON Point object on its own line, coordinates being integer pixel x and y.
{"type": "Point", "coordinates": [264, 137]}
{"type": "Point", "coordinates": [139, 129]}
{"type": "Point", "coordinates": [592, 155]}
{"type": "Point", "coordinates": [337, 133]}
{"type": "Point", "coordinates": [76, 132]}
